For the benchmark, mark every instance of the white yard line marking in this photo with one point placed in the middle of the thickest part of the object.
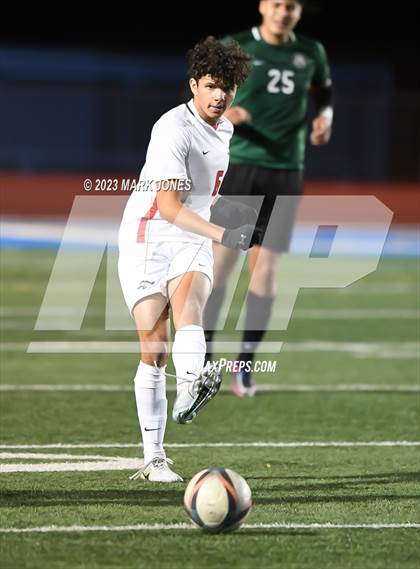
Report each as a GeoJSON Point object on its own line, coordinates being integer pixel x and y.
{"type": "Point", "coordinates": [352, 314]}
{"type": "Point", "coordinates": [115, 347]}
{"type": "Point", "coordinates": [88, 466]}
{"type": "Point", "coordinates": [365, 349]}
{"type": "Point", "coordinates": [258, 444]}
{"type": "Point", "coordinates": [185, 526]}
{"type": "Point", "coordinates": [57, 456]}
{"type": "Point", "coordinates": [299, 313]}
{"type": "Point", "coordinates": [71, 387]}
{"type": "Point", "coordinates": [89, 463]}
{"type": "Point", "coordinates": [357, 289]}
{"type": "Point", "coordinates": [397, 350]}
{"type": "Point", "coordinates": [359, 349]}
{"type": "Point", "coordinates": [266, 387]}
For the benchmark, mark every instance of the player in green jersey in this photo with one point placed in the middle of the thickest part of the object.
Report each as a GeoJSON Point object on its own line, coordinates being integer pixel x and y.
{"type": "Point", "coordinates": [267, 157]}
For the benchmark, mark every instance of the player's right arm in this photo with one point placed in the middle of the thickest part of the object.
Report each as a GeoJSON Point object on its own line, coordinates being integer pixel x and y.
{"type": "Point", "coordinates": [166, 167]}
{"type": "Point", "coordinates": [166, 160]}
{"type": "Point", "coordinates": [173, 211]}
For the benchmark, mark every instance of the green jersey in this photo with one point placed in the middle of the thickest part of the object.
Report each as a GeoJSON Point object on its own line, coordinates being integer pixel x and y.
{"type": "Point", "coordinates": [276, 94]}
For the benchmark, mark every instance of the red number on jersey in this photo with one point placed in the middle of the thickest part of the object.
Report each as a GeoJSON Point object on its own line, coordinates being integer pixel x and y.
{"type": "Point", "coordinates": [218, 182]}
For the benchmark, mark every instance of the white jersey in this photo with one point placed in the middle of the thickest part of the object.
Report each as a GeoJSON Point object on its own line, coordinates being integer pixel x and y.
{"type": "Point", "coordinates": [182, 147]}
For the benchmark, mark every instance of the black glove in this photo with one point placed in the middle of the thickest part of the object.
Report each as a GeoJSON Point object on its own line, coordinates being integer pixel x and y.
{"type": "Point", "coordinates": [232, 213]}
{"type": "Point", "coordinates": [243, 237]}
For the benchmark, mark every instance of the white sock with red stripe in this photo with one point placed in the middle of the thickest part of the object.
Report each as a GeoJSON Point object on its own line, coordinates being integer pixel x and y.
{"type": "Point", "coordinates": [152, 405]}
{"type": "Point", "coordinates": [188, 352]}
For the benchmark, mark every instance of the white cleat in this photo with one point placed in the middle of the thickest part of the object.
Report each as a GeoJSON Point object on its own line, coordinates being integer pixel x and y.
{"type": "Point", "coordinates": [193, 395]}
{"type": "Point", "coordinates": [157, 470]}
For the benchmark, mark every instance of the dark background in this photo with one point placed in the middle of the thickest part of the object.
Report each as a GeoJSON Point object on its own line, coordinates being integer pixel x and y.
{"type": "Point", "coordinates": [385, 31]}
{"type": "Point", "coordinates": [81, 89]}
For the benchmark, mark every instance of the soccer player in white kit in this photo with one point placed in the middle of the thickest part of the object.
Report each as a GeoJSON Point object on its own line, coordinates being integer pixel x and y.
{"type": "Point", "coordinates": [165, 246]}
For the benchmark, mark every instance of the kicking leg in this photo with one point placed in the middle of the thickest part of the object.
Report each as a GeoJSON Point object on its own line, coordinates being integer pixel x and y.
{"type": "Point", "coordinates": [195, 387]}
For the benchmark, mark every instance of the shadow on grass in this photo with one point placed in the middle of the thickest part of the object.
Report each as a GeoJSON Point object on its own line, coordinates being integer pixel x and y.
{"type": "Point", "coordinates": [346, 481]}
{"type": "Point", "coordinates": [160, 498]}
{"type": "Point", "coordinates": [400, 476]}
{"type": "Point", "coordinates": [338, 498]}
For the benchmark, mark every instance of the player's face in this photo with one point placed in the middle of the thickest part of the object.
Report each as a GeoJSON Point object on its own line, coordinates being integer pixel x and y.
{"type": "Point", "coordinates": [211, 100]}
{"type": "Point", "coordinates": [280, 16]}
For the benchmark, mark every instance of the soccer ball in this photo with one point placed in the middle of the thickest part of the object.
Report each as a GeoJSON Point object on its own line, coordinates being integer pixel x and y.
{"type": "Point", "coordinates": [217, 499]}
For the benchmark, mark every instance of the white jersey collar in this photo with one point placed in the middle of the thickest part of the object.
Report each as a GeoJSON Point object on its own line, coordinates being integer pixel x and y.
{"type": "Point", "coordinates": [257, 35]}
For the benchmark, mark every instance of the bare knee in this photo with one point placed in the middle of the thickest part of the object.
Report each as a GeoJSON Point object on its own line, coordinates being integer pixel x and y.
{"type": "Point", "coordinates": [154, 347]}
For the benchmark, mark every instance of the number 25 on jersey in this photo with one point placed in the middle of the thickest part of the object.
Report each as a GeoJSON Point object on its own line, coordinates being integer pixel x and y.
{"type": "Point", "coordinates": [281, 81]}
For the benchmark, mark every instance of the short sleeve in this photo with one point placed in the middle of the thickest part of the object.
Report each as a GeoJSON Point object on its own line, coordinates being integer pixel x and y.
{"type": "Point", "coordinates": [322, 68]}
{"type": "Point", "coordinates": [167, 153]}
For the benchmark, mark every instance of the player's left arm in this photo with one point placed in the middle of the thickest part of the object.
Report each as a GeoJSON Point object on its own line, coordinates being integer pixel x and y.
{"type": "Point", "coordinates": [322, 92]}
{"type": "Point", "coordinates": [323, 97]}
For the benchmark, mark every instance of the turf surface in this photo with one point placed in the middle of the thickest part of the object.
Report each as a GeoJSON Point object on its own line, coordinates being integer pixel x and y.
{"type": "Point", "coordinates": [290, 485]}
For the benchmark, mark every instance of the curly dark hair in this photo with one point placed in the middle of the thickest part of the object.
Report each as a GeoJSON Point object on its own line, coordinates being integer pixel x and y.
{"type": "Point", "coordinates": [227, 63]}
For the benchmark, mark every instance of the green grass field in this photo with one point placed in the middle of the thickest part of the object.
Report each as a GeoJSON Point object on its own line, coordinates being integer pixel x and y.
{"type": "Point", "coordinates": [280, 441]}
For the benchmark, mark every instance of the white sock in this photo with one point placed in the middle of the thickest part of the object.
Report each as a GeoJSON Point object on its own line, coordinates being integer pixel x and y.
{"type": "Point", "coordinates": [188, 353]}
{"type": "Point", "coordinates": [150, 390]}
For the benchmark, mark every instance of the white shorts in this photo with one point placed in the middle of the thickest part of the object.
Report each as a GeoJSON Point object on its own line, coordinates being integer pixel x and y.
{"type": "Point", "coordinates": [147, 268]}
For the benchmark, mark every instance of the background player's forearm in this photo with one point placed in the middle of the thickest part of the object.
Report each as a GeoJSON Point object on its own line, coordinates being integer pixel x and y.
{"type": "Point", "coordinates": [238, 115]}
{"type": "Point", "coordinates": [323, 98]}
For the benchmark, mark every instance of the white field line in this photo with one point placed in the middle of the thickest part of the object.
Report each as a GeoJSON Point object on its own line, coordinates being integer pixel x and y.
{"type": "Point", "coordinates": [51, 456]}
{"type": "Point", "coordinates": [266, 387]}
{"type": "Point", "coordinates": [108, 463]}
{"type": "Point", "coordinates": [258, 444]}
{"type": "Point", "coordinates": [398, 350]}
{"type": "Point", "coordinates": [115, 347]}
{"type": "Point", "coordinates": [358, 349]}
{"type": "Point", "coordinates": [88, 466]}
{"type": "Point", "coordinates": [355, 313]}
{"type": "Point", "coordinates": [184, 526]}
{"type": "Point", "coordinates": [357, 289]}
{"type": "Point", "coordinates": [298, 314]}
{"type": "Point", "coordinates": [352, 347]}
{"type": "Point", "coordinates": [65, 311]}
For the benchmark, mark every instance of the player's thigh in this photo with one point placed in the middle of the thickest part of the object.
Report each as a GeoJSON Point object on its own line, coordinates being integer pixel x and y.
{"type": "Point", "coordinates": [190, 276]}
{"type": "Point", "coordinates": [188, 295]}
